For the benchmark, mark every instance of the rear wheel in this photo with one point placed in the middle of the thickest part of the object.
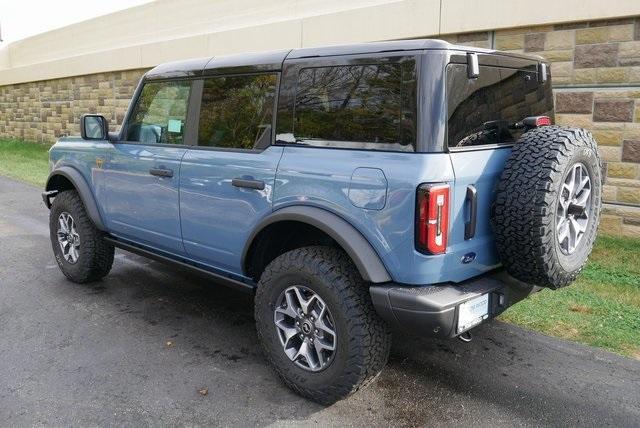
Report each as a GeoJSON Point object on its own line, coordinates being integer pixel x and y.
{"type": "Point", "coordinates": [79, 248]}
{"type": "Point", "coordinates": [317, 325]}
{"type": "Point", "coordinates": [547, 206]}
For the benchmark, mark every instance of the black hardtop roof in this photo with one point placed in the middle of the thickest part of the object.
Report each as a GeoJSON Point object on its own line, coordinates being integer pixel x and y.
{"type": "Point", "coordinates": [272, 60]}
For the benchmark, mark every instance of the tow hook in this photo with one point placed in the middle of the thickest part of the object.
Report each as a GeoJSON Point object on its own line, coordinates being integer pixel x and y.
{"type": "Point", "coordinates": [466, 337]}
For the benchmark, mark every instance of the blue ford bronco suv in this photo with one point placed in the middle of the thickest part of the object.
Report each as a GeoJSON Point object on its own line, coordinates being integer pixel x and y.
{"type": "Point", "coordinates": [409, 185]}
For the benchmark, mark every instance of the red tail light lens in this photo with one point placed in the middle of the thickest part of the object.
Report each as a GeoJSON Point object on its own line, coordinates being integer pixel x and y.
{"type": "Point", "coordinates": [543, 121]}
{"type": "Point", "coordinates": [432, 218]}
{"type": "Point", "coordinates": [536, 121]}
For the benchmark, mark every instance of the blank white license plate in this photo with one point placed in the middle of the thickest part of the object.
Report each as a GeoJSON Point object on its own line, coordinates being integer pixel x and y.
{"type": "Point", "coordinates": [473, 312]}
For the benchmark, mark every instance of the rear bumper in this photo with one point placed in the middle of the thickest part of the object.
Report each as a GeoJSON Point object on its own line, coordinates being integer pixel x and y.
{"type": "Point", "coordinates": [432, 310]}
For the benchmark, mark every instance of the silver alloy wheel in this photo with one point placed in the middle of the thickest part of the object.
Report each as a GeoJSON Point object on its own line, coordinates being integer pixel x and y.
{"type": "Point", "coordinates": [305, 328]}
{"type": "Point", "coordinates": [574, 208]}
{"type": "Point", "coordinates": [68, 237]}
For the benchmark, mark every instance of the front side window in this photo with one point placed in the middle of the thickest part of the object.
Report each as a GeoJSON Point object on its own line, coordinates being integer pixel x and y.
{"type": "Point", "coordinates": [160, 114]}
{"type": "Point", "coordinates": [237, 111]}
{"type": "Point", "coordinates": [359, 106]}
{"type": "Point", "coordinates": [488, 110]}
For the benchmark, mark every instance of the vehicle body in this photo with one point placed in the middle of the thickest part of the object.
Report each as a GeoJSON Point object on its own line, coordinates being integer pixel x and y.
{"type": "Point", "coordinates": [223, 164]}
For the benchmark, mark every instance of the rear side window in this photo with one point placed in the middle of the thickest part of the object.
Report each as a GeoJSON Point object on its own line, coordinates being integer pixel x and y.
{"type": "Point", "coordinates": [237, 111]}
{"type": "Point", "coordinates": [486, 110]}
{"type": "Point", "coordinates": [361, 106]}
{"type": "Point", "coordinates": [160, 113]}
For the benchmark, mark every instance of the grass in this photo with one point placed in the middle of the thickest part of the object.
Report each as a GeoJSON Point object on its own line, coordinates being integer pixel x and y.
{"type": "Point", "coordinates": [24, 161]}
{"type": "Point", "coordinates": [601, 309]}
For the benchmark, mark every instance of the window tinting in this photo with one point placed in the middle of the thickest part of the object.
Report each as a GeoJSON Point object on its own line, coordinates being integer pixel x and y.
{"type": "Point", "coordinates": [363, 106]}
{"type": "Point", "coordinates": [160, 113]}
{"type": "Point", "coordinates": [237, 111]}
{"type": "Point", "coordinates": [488, 109]}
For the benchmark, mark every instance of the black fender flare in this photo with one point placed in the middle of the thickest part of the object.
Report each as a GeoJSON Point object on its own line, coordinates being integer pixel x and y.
{"type": "Point", "coordinates": [83, 189]}
{"type": "Point", "coordinates": [365, 258]}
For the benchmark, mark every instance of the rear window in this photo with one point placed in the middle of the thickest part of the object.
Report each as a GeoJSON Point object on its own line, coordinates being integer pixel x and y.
{"type": "Point", "coordinates": [361, 106]}
{"type": "Point", "coordinates": [486, 110]}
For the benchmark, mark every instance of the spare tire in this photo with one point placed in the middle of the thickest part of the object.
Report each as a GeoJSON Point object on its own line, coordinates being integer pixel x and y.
{"type": "Point", "coordinates": [547, 205]}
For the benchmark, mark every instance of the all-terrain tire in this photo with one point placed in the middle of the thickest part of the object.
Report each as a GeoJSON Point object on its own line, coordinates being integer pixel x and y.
{"type": "Point", "coordinates": [525, 212]}
{"type": "Point", "coordinates": [363, 340]}
{"type": "Point", "coordinates": [95, 255]}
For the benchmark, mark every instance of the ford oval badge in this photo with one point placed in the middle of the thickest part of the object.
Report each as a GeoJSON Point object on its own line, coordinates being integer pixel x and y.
{"type": "Point", "coordinates": [468, 258]}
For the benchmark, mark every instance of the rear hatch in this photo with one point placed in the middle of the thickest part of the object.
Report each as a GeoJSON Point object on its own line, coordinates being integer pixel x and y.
{"type": "Point", "coordinates": [487, 107]}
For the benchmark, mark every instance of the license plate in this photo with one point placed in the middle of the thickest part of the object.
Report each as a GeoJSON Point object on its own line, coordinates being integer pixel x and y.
{"type": "Point", "coordinates": [473, 312]}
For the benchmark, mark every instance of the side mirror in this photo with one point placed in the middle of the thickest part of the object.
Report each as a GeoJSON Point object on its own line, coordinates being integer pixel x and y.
{"type": "Point", "coordinates": [94, 127]}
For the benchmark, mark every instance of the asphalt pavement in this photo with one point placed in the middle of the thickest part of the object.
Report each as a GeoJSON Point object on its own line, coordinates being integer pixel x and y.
{"type": "Point", "coordinates": [139, 347]}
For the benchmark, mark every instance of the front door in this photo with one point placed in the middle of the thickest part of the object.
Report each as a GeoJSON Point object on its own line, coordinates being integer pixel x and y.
{"type": "Point", "coordinates": [142, 171]}
{"type": "Point", "coordinates": [226, 181]}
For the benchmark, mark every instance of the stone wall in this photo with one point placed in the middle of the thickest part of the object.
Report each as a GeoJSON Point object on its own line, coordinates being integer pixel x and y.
{"type": "Point", "coordinates": [595, 72]}
{"type": "Point", "coordinates": [595, 69]}
{"type": "Point", "coordinates": [43, 111]}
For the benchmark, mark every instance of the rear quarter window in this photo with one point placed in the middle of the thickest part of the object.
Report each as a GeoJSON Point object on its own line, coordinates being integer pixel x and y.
{"type": "Point", "coordinates": [356, 106]}
{"type": "Point", "coordinates": [485, 111]}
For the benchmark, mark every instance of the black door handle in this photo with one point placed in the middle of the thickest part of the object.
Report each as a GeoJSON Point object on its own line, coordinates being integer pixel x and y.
{"type": "Point", "coordinates": [249, 184]}
{"type": "Point", "coordinates": [161, 172]}
{"type": "Point", "coordinates": [472, 200]}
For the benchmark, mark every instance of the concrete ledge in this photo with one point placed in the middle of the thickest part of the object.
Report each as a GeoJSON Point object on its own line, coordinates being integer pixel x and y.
{"type": "Point", "coordinates": [163, 30]}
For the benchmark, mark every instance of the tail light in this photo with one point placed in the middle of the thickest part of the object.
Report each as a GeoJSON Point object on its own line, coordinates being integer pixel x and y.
{"type": "Point", "coordinates": [432, 218]}
{"type": "Point", "coordinates": [536, 121]}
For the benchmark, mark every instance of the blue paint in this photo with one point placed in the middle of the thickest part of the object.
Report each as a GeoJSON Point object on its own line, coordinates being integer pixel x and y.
{"type": "Point", "coordinates": [199, 215]}
{"type": "Point", "coordinates": [217, 218]}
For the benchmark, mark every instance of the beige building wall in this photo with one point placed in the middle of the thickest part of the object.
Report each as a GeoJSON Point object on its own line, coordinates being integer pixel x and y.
{"type": "Point", "coordinates": [164, 30]}
{"type": "Point", "coordinates": [48, 81]}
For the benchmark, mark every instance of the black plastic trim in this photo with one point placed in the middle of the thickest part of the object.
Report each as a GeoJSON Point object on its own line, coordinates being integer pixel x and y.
{"type": "Point", "coordinates": [365, 258]}
{"type": "Point", "coordinates": [105, 127]}
{"type": "Point", "coordinates": [432, 310]}
{"type": "Point", "coordinates": [248, 184]}
{"type": "Point", "coordinates": [83, 190]}
{"type": "Point", "coordinates": [154, 255]}
{"type": "Point", "coordinates": [472, 200]}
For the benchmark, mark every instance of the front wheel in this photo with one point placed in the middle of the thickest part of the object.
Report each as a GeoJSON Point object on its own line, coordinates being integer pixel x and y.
{"type": "Point", "coordinates": [79, 247]}
{"type": "Point", "coordinates": [317, 325]}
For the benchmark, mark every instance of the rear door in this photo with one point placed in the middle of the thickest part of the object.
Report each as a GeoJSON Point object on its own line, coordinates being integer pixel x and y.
{"type": "Point", "coordinates": [226, 181]}
{"type": "Point", "coordinates": [483, 123]}
{"type": "Point", "coordinates": [142, 170]}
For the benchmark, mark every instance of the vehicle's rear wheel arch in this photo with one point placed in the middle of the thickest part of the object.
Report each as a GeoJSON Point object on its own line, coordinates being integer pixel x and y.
{"type": "Point", "coordinates": [319, 227]}
{"type": "Point", "coordinates": [68, 178]}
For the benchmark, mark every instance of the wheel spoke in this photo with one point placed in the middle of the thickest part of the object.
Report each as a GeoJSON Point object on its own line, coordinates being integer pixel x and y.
{"type": "Point", "coordinates": [322, 326]}
{"type": "Point", "coordinates": [582, 198]}
{"type": "Point", "coordinates": [304, 303]}
{"type": "Point", "coordinates": [306, 353]}
{"type": "Point", "coordinates": [287, 310]}
{"type": "Point", "coordinates": [563, 231]}
{"type": "Point", "coordinates": [287, 331]}
{"type": "Point", "coordinates": [577, 226]}
{"type": "Point", "coordinates": [322, 345]}
{"type": "Point", "coordinates": [63, 224]}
